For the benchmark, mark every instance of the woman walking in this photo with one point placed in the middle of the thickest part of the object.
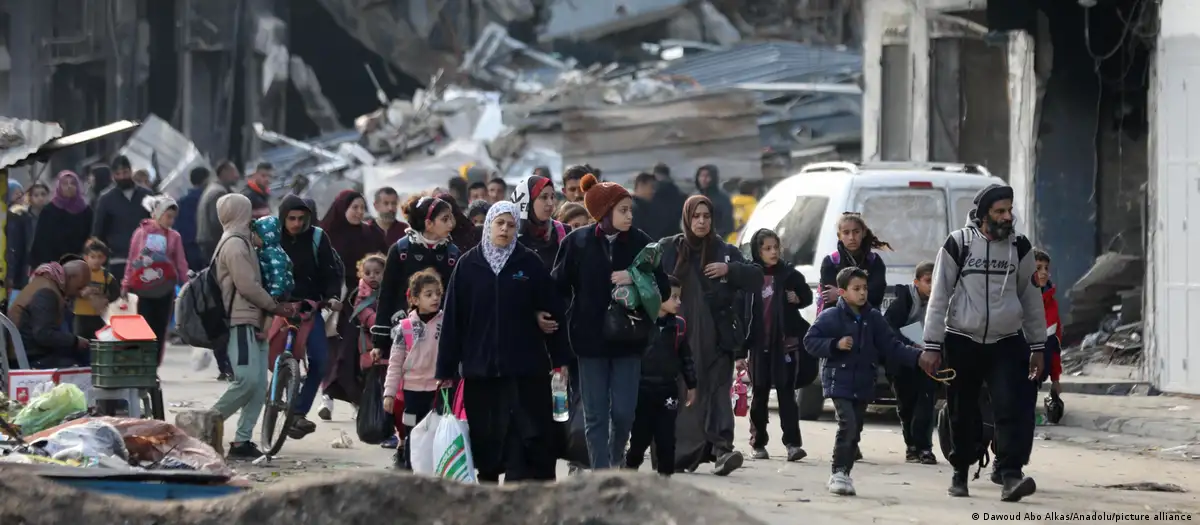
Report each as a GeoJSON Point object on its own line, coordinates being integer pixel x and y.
{"type": "Point", "coordinates": [491, 339]}
{"type": "Point", "coordinates": [65, 224]}
{"type": "Point", "coordinates": [157, 263]}
{"type": "Point", "coordinates": [590, 263]}
{"type": "Point", "coordinates": [715, 280]}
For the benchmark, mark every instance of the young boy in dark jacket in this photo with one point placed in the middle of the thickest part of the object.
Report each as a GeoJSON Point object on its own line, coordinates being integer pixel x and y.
{"type": "Point", "coordinates": [852, 337]}
{"type": "Point", "coordinates": [667, 358]}
{"type": "Point", "coordinates": [915, 391]}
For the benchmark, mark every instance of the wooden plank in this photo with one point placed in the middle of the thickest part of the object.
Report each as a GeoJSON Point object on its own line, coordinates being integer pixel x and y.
{"type": "Point", "coordinates": [668, 134]}
{"type": "Point", "coordinates": [717, 105]}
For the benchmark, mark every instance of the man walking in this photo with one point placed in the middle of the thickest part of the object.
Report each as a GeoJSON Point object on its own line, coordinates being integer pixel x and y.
{"type": "Point", "coordinates": [208, 224]}
{"type": "Point", "coordinates": [238, 273]}
{"type": "Point", "coordinates": [118, 212]}
{"type": "Point", "coordinates": [258, 189]}
{"type": "Point", "coordinates": [185, 222]}
{"type": "Point", "coordinates": [986, 317]}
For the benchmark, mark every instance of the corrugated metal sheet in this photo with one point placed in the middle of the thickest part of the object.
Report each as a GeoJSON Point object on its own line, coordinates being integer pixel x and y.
{"type": "Point", "coordinates": [23, 138]}
{"type": "Point", "coordinates": [173, 155]}
{"type": "Point", "coordinates": [768, 62]}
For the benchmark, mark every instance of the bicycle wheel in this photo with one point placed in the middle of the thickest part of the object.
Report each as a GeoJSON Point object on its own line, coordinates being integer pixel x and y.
{"type": "Point", "coordinates": [278, 413]}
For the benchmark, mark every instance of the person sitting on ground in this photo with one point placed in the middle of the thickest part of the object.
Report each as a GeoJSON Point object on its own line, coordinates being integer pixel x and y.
{"type": "Point", "coordinates": [667, 359]}
{"type": "Point", "coordinates": [849, 374]}
{"type": "Point", "coordinates": [237, 271]}
{"type": "Point", "coordinates": [412, 365]}
{"type": "Point", "coordinates": [38, 314]}
{"type": "Point", "coordinates": [915, 391]}
{"type": "Point", "coordinates": [102, 290]}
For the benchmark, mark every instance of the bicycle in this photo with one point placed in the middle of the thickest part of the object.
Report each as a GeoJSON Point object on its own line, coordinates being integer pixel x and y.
{"type": "Point", "coordinates": [284, 387]}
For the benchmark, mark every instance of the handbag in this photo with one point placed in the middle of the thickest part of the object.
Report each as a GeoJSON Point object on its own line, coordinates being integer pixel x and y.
{"type": "Point", "coordinates": [626, 327]}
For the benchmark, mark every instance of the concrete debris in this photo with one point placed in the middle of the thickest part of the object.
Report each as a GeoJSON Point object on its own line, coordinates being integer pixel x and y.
{"type": "Point", "coordinates": [316, 105]}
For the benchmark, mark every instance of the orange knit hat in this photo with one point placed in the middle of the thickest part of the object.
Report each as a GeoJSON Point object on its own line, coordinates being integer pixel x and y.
{"type": "Point", "coordinates": [600, 197]}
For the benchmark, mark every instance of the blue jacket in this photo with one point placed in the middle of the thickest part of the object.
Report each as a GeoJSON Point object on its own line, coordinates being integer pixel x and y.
{"type": "Point", "coordinates": [185, 224]}
{"type": "Point", "coordinates": [489, 328]}
{"type": "Point", "coordinates": [851, 374]}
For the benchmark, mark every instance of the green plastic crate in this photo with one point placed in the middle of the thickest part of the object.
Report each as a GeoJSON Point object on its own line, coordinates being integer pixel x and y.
{"type": "Point", "coordinates": [124, 364]}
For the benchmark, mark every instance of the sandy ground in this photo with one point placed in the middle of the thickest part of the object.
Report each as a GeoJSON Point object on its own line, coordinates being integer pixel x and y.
{"type": "Point", "coordinates": [1071, 467]}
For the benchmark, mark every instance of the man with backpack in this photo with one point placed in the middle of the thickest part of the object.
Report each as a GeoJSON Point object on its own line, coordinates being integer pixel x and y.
{"type": "Point", "coordinates": [247, 303]}
{"type": "Point", "coordinates": [318, 274]}
{"type": "Point", "coordinates": [986, 317]}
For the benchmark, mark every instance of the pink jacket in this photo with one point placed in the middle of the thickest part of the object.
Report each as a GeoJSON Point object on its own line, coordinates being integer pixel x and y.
{"type": "Point", "coordinates": [366, 318]}
{"type": "Point", "coordinates": [414, 368]}
{"type": "Point", "coordinates": [174, 253]}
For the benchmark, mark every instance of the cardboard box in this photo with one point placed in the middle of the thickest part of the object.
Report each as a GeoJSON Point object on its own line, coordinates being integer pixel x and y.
{"type": "Point", "coordinates": [24, 385]}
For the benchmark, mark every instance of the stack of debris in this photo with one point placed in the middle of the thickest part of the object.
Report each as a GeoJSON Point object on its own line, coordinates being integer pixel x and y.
{"type": "Point", "coordinates": [1106, 314]}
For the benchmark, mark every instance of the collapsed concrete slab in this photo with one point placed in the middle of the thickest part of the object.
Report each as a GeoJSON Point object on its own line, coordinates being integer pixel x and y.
{"type": "Point", "coordinates": [382, 497]}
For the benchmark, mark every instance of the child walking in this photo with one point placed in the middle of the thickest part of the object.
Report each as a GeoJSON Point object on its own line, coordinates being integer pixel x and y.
{"type": "Point", "coordinates": [915, 392]}
{"type": "Point", "coordinates": [413, 360]}
{"type": "Point", "coordinates": [156, 265]}
{"type": "Point", "coordinates": [102, 289]}
{"type": "Point", "coordinates": [355, 357]}
{"type": "Point", "coordinates": [1041, 279]}
{"type": "Point", "coordinates": [667, 359]}
{"type": "Point", "coordinates": [853, 337]}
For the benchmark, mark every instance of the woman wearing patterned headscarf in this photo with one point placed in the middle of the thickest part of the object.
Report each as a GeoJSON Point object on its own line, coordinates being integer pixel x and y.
{"type": "Point", "coordinates": [65, 224]}
{"type": "Point", "coordinates": [492, 341]}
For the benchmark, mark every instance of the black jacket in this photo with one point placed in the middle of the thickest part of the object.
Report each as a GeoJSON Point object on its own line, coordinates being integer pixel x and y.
{"type": "Point", "coordinates": [489, 325]}
{"type": "Point", "coordinates": [259, 201]}
{"type": "Point", "coordinates": [41, 327]}
{"type": "Point", "coordinates": [583, 273]}
{"type": "Point", "coordinates": [546, 249]}
{"type": "Point", "coordinates": [668, 357]}
{"type": "Point", "coordinates": [723, 214]}
{"type": "Point", "coordinates": [876, 273]}
{"type": "Point", "coordinates": [19, 231]}
{"type": "Point", "coordinates": [780, 360]}
{"type": "Point", "coordinates": [116, 218]}
{"type": "Point", "coordinates": [405, 258]}
{"type": "Point", "coordinates": [316, 269]}
{"type": "Point", "coordinates": [900, 312]}
{"type": "Point", "coordinates": [59, 233]}
{"type": "Point", "coordinates": [731, 299]}
{"type": "Point", "coordinates": [662, 217]}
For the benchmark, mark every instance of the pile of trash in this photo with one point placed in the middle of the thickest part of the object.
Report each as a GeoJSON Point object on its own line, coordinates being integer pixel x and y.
{"type": "Point", "coordinates": [381, 497]}
{"type": "Point", "coordinates": [56, 428]}
{"type": "Point", "coordinates": [1106, 314]}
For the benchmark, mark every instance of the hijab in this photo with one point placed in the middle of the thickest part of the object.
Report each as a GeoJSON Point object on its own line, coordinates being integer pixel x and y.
{"type": "Point", "coordinates": [523, 195]}
{"type": "Point", "coordinates": [497, 256]}
{"type": "Point", "coordinates": [756, 243]}
{"type": "Point", "coordinates": [157, 205]}
{"type": "Point", "coordinates": [73, 205]}
{"type": "Point", "coordinates": [692, 244]}
{"type": "Point", "coordinates": [13, 188]}
{"type": "Point", "coordinates": [352, 242]}
{"type": "Point", "coordinates": [335, 222]}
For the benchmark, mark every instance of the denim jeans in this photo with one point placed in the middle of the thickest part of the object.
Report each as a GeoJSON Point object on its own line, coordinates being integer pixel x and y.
{"type": "Point", "coordinates": [610, 391]}
{"type": "Point", "coordinates": [316, 347]}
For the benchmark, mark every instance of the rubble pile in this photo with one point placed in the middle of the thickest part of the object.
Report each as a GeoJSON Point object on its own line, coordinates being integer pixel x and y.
{"type": "Point", "coordinates": [1106, 314]}
{"type": "Point", "coordinates": [384, 498]}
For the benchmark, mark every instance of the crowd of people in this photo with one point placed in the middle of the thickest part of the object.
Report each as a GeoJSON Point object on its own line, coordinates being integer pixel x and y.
{"type": "Point", "coordinates": [637, 298]}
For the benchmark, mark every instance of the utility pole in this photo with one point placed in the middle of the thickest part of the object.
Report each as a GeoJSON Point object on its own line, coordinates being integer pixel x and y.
{"type": "Point", "coordinates": [185, 76]}
{"type": "Point", "coordinates": [918, 67]}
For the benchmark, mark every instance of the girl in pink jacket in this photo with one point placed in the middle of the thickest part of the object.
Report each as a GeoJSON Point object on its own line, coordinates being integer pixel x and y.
{"type": "Point", "coordinates": [411, 366]}
{"type": "Point", "coordinates": [156, 265]}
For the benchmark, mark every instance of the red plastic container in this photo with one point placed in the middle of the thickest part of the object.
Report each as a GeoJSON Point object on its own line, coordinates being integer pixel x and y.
{"type": "Point", "coordinates": [739, 393]}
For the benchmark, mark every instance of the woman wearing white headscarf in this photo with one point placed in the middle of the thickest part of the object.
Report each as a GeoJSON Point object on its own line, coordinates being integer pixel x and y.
{"type": "Point", "coordinates": [156, 264]}
{"type": "Point", "coordinates": [491, 339]}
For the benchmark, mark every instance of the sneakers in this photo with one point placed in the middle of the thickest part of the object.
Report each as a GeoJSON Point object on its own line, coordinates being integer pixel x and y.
{"type": "Point", "coordinates": [796, 454]}
{"type": "Point", "coordinates": [1017, 487]}
{"type": "Point", "coordinates": [958, 485]}
{"type": "Point", "coordinates": [301, 428]}
{"type": "Point", "coordinates": [326, 411]}
{"type": "Point", "coordinates": [926, 457]}
{"type": "Point", "coordinates": [392, 442]}
{"type": "Point", "coordinates": [911, 456]}
{"type": "Point", "coordinates": [840, 484]}
{"type": "Point", "coordinates": [728, 462]}
{"type": "Point", "coordinates": [760, 453]}
{"type": "Point", "coordinates": [244, 450]}
{"type": "Point", "coordinates": [223, 376]}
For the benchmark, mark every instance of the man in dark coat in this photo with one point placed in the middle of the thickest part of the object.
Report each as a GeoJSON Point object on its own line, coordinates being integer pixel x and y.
{"type": "Point", "coordinates": [118, 212]}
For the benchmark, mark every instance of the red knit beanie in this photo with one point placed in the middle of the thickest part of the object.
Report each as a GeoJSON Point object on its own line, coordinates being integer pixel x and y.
{"type": "Point", "coordinates": [600, 197]}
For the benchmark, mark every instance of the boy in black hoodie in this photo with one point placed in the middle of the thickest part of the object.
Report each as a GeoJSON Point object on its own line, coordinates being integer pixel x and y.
{"type": "Point", "coordinates": [915, 391]}
{"type": "Point", "coordinates": [667, 359]}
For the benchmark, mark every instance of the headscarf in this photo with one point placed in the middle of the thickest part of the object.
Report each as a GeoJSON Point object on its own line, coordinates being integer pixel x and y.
{"type": "Point", "coordinates": [756, 243]}
{"type": "Point", "coordinates": [54, 272]}
{"type": "Point", "coordinates": [13, 188]}
{"type": "Point", "coordinates": [497, 256]}
{"type": "Point", "coordinates": [73, 205]}
{"type": "Point", "coordinates": [334, 222]}
{"type": "Point", "coordinates": [157, 205]}
{"type": "Point", "coordinates": [692, 243]}
{"type": "Point", "coordinates": [523, 195]}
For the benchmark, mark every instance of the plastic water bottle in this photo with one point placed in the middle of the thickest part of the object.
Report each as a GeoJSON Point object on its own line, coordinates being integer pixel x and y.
{"type": "Point", "coordinates": [558, 388]}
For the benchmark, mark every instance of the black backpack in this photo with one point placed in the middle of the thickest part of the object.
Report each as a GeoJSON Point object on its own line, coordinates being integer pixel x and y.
{"type": "Point", "coordinates": [986, 442]}
{"type": "Point", "coordinates": [201, 315]}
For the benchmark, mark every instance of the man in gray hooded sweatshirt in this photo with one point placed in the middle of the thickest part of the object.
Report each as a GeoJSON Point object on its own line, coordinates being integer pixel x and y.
{"type": "Point", "coordinates": [986, 317]}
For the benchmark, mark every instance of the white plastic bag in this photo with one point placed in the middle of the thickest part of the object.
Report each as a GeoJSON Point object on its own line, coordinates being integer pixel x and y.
{"type": "Point", "coordinates": [421, 443]}
{"type": "Point", "coordinates": [201, 358]}
{"type": "Point", "coordinates": [452, 451]}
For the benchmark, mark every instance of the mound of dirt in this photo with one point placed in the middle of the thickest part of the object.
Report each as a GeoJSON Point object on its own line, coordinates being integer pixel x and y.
{"type": "Point", "coordinates": [383, 497]}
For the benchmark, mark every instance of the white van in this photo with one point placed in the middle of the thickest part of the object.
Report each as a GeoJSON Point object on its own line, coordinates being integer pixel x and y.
{"type": "Point", "coordinates": [912, 206]}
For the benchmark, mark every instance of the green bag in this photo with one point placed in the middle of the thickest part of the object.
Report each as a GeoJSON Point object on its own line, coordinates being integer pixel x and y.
{"type": "Point", "coordinates": [643, 293]}
{"type": "Point", "coordinates": [51, 408]}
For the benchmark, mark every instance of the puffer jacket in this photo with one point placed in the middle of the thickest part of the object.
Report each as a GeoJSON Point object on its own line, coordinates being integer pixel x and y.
{"type": "Point", "coordinates": [850, 374]}
{"type": "Point", "coordinates": [414, 368]}
{"type": "Point", "coordinates": [983, 289]}
{"type": "Point", "coordinates": [273, 262]}
{"type": "Point", "coordinates": [237, 265]}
